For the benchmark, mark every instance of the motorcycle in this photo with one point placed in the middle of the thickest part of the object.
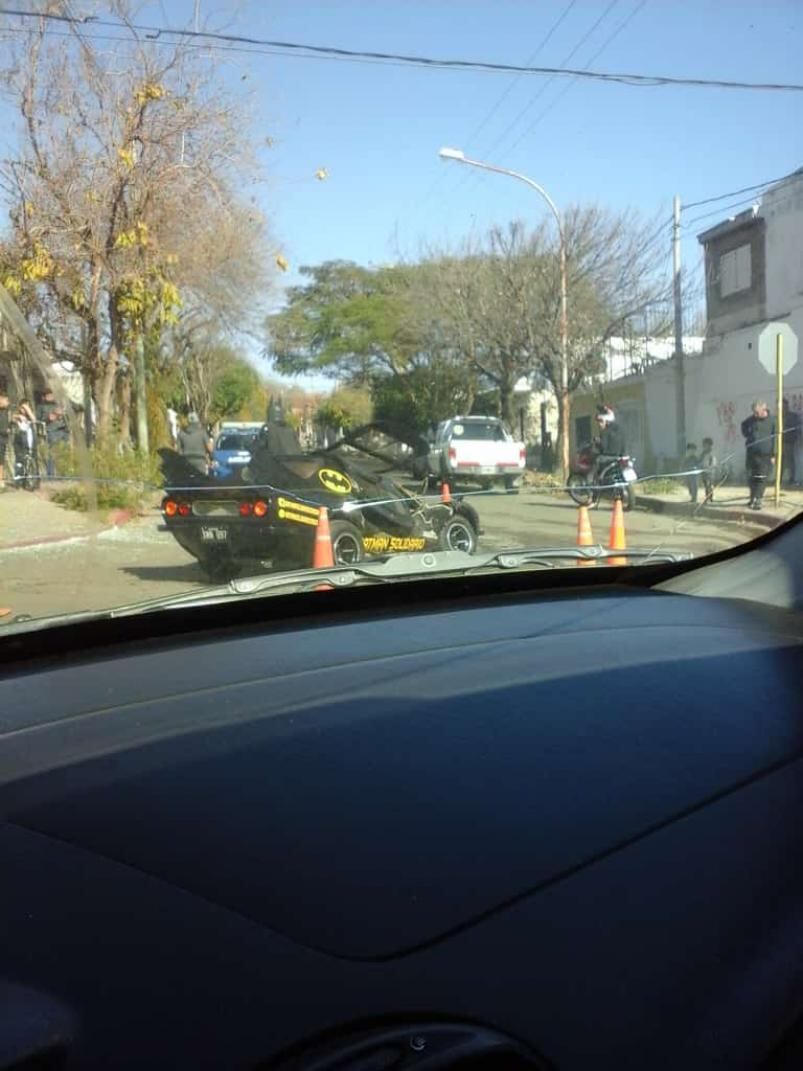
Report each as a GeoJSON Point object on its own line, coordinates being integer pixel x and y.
{"type": "Point", "coordinates": [616, 479]}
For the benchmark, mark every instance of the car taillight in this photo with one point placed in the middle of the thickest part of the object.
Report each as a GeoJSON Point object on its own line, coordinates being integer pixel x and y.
{"type": "Point", "coordinates": [170, 508]}
{"type": "Point", "coordinates": [260, 508]}
{"type": "Point", "coordinates": [522, 454]}
{"type": "Point", "coordinates": [184, 510]}
{"type": "Point", "coordinates": [245, 509]}
{"type": "Point", "coordinates": [452, 453]}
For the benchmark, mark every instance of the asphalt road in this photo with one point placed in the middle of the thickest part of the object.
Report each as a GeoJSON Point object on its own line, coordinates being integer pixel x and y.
{"type": "Point", "coordinates": [137, 562]}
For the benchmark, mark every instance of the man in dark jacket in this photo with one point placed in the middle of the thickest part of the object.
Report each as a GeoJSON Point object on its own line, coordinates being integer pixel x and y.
{"type": "Point", "coordinates": [609, 444]}
{"type": "Point", "coordinates": [194, 444]}
{"type": "Point", "coordinates": [759, 434]}
{"type": "Point", "coordinates": [791, 442]}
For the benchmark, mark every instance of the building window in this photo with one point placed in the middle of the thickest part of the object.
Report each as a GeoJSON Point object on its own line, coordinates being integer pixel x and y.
{"type": "Point", "coordinates": [735, 272]}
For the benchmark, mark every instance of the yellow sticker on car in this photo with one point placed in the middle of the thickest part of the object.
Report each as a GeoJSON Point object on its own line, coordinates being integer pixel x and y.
{"type": "Point", "coordinates": [336, 482]}
{"type": "Point", "coordinates": [381, 544]}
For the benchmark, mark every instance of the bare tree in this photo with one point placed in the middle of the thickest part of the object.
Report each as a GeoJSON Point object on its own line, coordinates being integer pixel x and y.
{"type": "Point", "coordinates": [124, 197]}
{"type": "Point", "coordinates": [501, 298]}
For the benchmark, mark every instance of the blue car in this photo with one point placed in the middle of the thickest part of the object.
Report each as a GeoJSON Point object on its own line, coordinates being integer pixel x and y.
{"type": "Point", "coordinates": [232, 453]}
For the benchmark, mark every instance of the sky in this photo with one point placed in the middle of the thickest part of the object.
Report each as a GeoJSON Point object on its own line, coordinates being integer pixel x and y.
{"type": "Point", "coordinates": [376, 130]}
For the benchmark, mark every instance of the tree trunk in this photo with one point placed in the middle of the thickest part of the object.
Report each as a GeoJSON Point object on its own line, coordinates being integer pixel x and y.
{"type": "Point", "coordinates": [506, 407]}
{"type": "Point", "coordinates": [124, 407]}
{"type": "Point", "coordinates": [104, 393]}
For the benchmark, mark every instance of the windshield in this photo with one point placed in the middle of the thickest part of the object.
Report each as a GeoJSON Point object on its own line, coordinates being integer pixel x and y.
{"type": "Point", "coordinates": [290, 286]}
{"type": "Point", "coordinates": [474, 431]}
{"type": "Point", "coordinates": [234, 442]}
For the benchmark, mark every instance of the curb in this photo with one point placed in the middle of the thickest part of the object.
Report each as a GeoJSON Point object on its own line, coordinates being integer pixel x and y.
{"type": "Point", "coordinates": [116, 519]}
{"type": "Point", "coordinates": [688, 509]}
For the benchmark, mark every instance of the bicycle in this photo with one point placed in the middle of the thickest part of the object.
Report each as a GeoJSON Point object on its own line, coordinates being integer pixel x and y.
{"type": "Point", "coordinates": [27, 473]}
{"type": "Point", "coordinates": [616, 479]}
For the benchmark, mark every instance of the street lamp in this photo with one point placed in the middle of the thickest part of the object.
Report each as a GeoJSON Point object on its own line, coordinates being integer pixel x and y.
{"type": "Point", "coordinates": [447, 153]}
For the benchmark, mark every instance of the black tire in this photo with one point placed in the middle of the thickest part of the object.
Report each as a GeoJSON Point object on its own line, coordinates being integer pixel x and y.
{"type": "Point", "coordinates": [220, 568]}
{"type": "Point", "coordinates": [578, 488]}
{"type": "Point", "coordinates": [458, 534]}
{"type": "Point", "coordinates": [30, 473]}
{"type": "Point", "coordinates": [625, 491]}
{"type": "Point", "coordinates": [510, 485]}
{"type": "Point", "coordinates": [347, 546]}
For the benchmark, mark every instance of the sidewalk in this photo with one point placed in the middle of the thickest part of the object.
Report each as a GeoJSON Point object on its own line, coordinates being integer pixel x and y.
{"type": "Point", "coordinates": [730, 504]}
{"type": "Point", "coordinates": [28, 519]}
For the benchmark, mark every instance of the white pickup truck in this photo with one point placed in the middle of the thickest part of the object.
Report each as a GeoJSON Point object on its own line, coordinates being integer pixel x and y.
{"type": "Point", "coordinates": [478, 448]}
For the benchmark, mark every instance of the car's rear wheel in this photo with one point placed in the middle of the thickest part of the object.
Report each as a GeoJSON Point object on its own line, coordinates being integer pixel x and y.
{"type": "Point", "coordinates": [458, 534]}
{"type": "Point", "coordinates": [347, 546]}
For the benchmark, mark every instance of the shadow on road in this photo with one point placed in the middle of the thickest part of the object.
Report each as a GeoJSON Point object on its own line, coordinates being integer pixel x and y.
{"type": "Point", "coordinates": [191, 573]}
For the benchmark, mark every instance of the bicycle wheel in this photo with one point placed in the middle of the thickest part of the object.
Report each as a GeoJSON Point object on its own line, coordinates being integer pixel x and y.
{"type": "Point", "coordinates": [579, 489]}
{"type": "Point", "coordinates": [30, 473]}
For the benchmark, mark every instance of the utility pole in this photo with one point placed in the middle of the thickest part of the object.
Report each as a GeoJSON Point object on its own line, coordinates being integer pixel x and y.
{"type": "Point", "coordinates": [678, 296]}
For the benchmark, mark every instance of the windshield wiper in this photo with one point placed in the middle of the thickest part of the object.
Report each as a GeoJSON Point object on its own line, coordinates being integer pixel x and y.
{"type": "Point", "coordinates": [394, 568]}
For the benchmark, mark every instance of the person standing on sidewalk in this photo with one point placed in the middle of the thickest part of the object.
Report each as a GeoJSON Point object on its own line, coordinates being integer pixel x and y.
{"type": "Point", "coordinates": [791, 443]}
{"type": "Point", "coordinates": [691, 464]}
{"type": "Point", "coordinates": [5, 427]}
{"type": "Point", "coordinates": [708, 463]}
{"type": "Point", "coordinates": [759, 434]}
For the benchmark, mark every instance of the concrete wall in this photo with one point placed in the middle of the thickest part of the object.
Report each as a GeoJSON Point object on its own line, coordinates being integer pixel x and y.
{"type": "Point", "coordinates": [719, 389]}
{"type": "Point", "coordinates": [627, 398]}
{"type": "Point", "coordinates": [782, 207]}
{"type": "Point", "coordinates": [721, 385]}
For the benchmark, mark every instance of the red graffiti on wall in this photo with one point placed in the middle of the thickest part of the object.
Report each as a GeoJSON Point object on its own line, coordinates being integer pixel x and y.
{"type": "Point", "coordinates": [726, 417]}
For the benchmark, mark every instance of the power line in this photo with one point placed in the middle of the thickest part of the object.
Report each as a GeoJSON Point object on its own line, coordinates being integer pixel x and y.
{"type": "Point", "coordinates": [734, 193]}
{"type": "Point", "coordinates": [559, 96]}
{"type": "Point", "coordinates": [515, 81]}
{"type": "Point", "coordinates": [305, 51]}
{"type": "Point", "coordinates": [504, 95]}
{"type": "Point", "coordinates": [744, 203]}
{"type": "Point", "coordinates": [542, 89]}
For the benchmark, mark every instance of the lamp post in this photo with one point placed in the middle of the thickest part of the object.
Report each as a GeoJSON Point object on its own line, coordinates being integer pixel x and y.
{"type": "Point", "coordinates": [563, 398]}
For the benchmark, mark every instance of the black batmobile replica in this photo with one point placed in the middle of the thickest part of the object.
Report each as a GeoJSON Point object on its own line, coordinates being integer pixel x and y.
{"type": "Point", "coordinates": [266, 516]}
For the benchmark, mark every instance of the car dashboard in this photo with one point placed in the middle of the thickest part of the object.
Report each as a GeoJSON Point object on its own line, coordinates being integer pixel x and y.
{"type": "Point", "coordinates": [552, 830]}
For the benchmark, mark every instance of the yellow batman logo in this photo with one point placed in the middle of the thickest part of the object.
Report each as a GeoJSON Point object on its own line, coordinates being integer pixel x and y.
{"type": "Point", "coordinates": [336, 482]}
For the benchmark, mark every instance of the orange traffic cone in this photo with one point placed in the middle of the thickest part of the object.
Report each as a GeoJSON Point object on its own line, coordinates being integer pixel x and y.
{"type": "Point", "coordinates": [616, 541]}
{"type": "Point", "coordinates": [322, 556]}
{"type": "Point", "coordinates": [446, 494]}
{"type": "Point", "coordinates": [584, 535]}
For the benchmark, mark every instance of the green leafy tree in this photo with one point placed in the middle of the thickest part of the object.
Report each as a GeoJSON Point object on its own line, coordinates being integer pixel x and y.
{"type": "Point", "coordinates": [234, 387]}
{"type": "Point", "coordinates": [346, 408]}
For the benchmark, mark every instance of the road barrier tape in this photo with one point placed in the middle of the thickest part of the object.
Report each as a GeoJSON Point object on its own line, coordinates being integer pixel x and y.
{"type": "Point", "coordinates": [302, 504]}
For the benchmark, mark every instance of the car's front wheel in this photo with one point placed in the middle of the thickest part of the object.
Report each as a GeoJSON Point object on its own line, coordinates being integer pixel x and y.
{"type": "Point", "coordinates": [458, 534]}
{"type": "Point", "coordinates": [347, 546]}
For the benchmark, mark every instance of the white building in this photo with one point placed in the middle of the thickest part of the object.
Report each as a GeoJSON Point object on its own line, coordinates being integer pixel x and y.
{"type": "Point", "coordinates": [754, 276]}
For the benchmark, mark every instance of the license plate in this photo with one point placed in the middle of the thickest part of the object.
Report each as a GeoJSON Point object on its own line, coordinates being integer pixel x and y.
{"type": "Point", "coordinates": [214, 535]}
{"type": "Point", "coordinates": [488, 470]}
{"type": "Point", "coordinates": [629, 475]}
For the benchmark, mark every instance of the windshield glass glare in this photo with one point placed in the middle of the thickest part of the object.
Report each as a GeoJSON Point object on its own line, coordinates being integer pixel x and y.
{"type": "Point", "coordinates": [290, 287]}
